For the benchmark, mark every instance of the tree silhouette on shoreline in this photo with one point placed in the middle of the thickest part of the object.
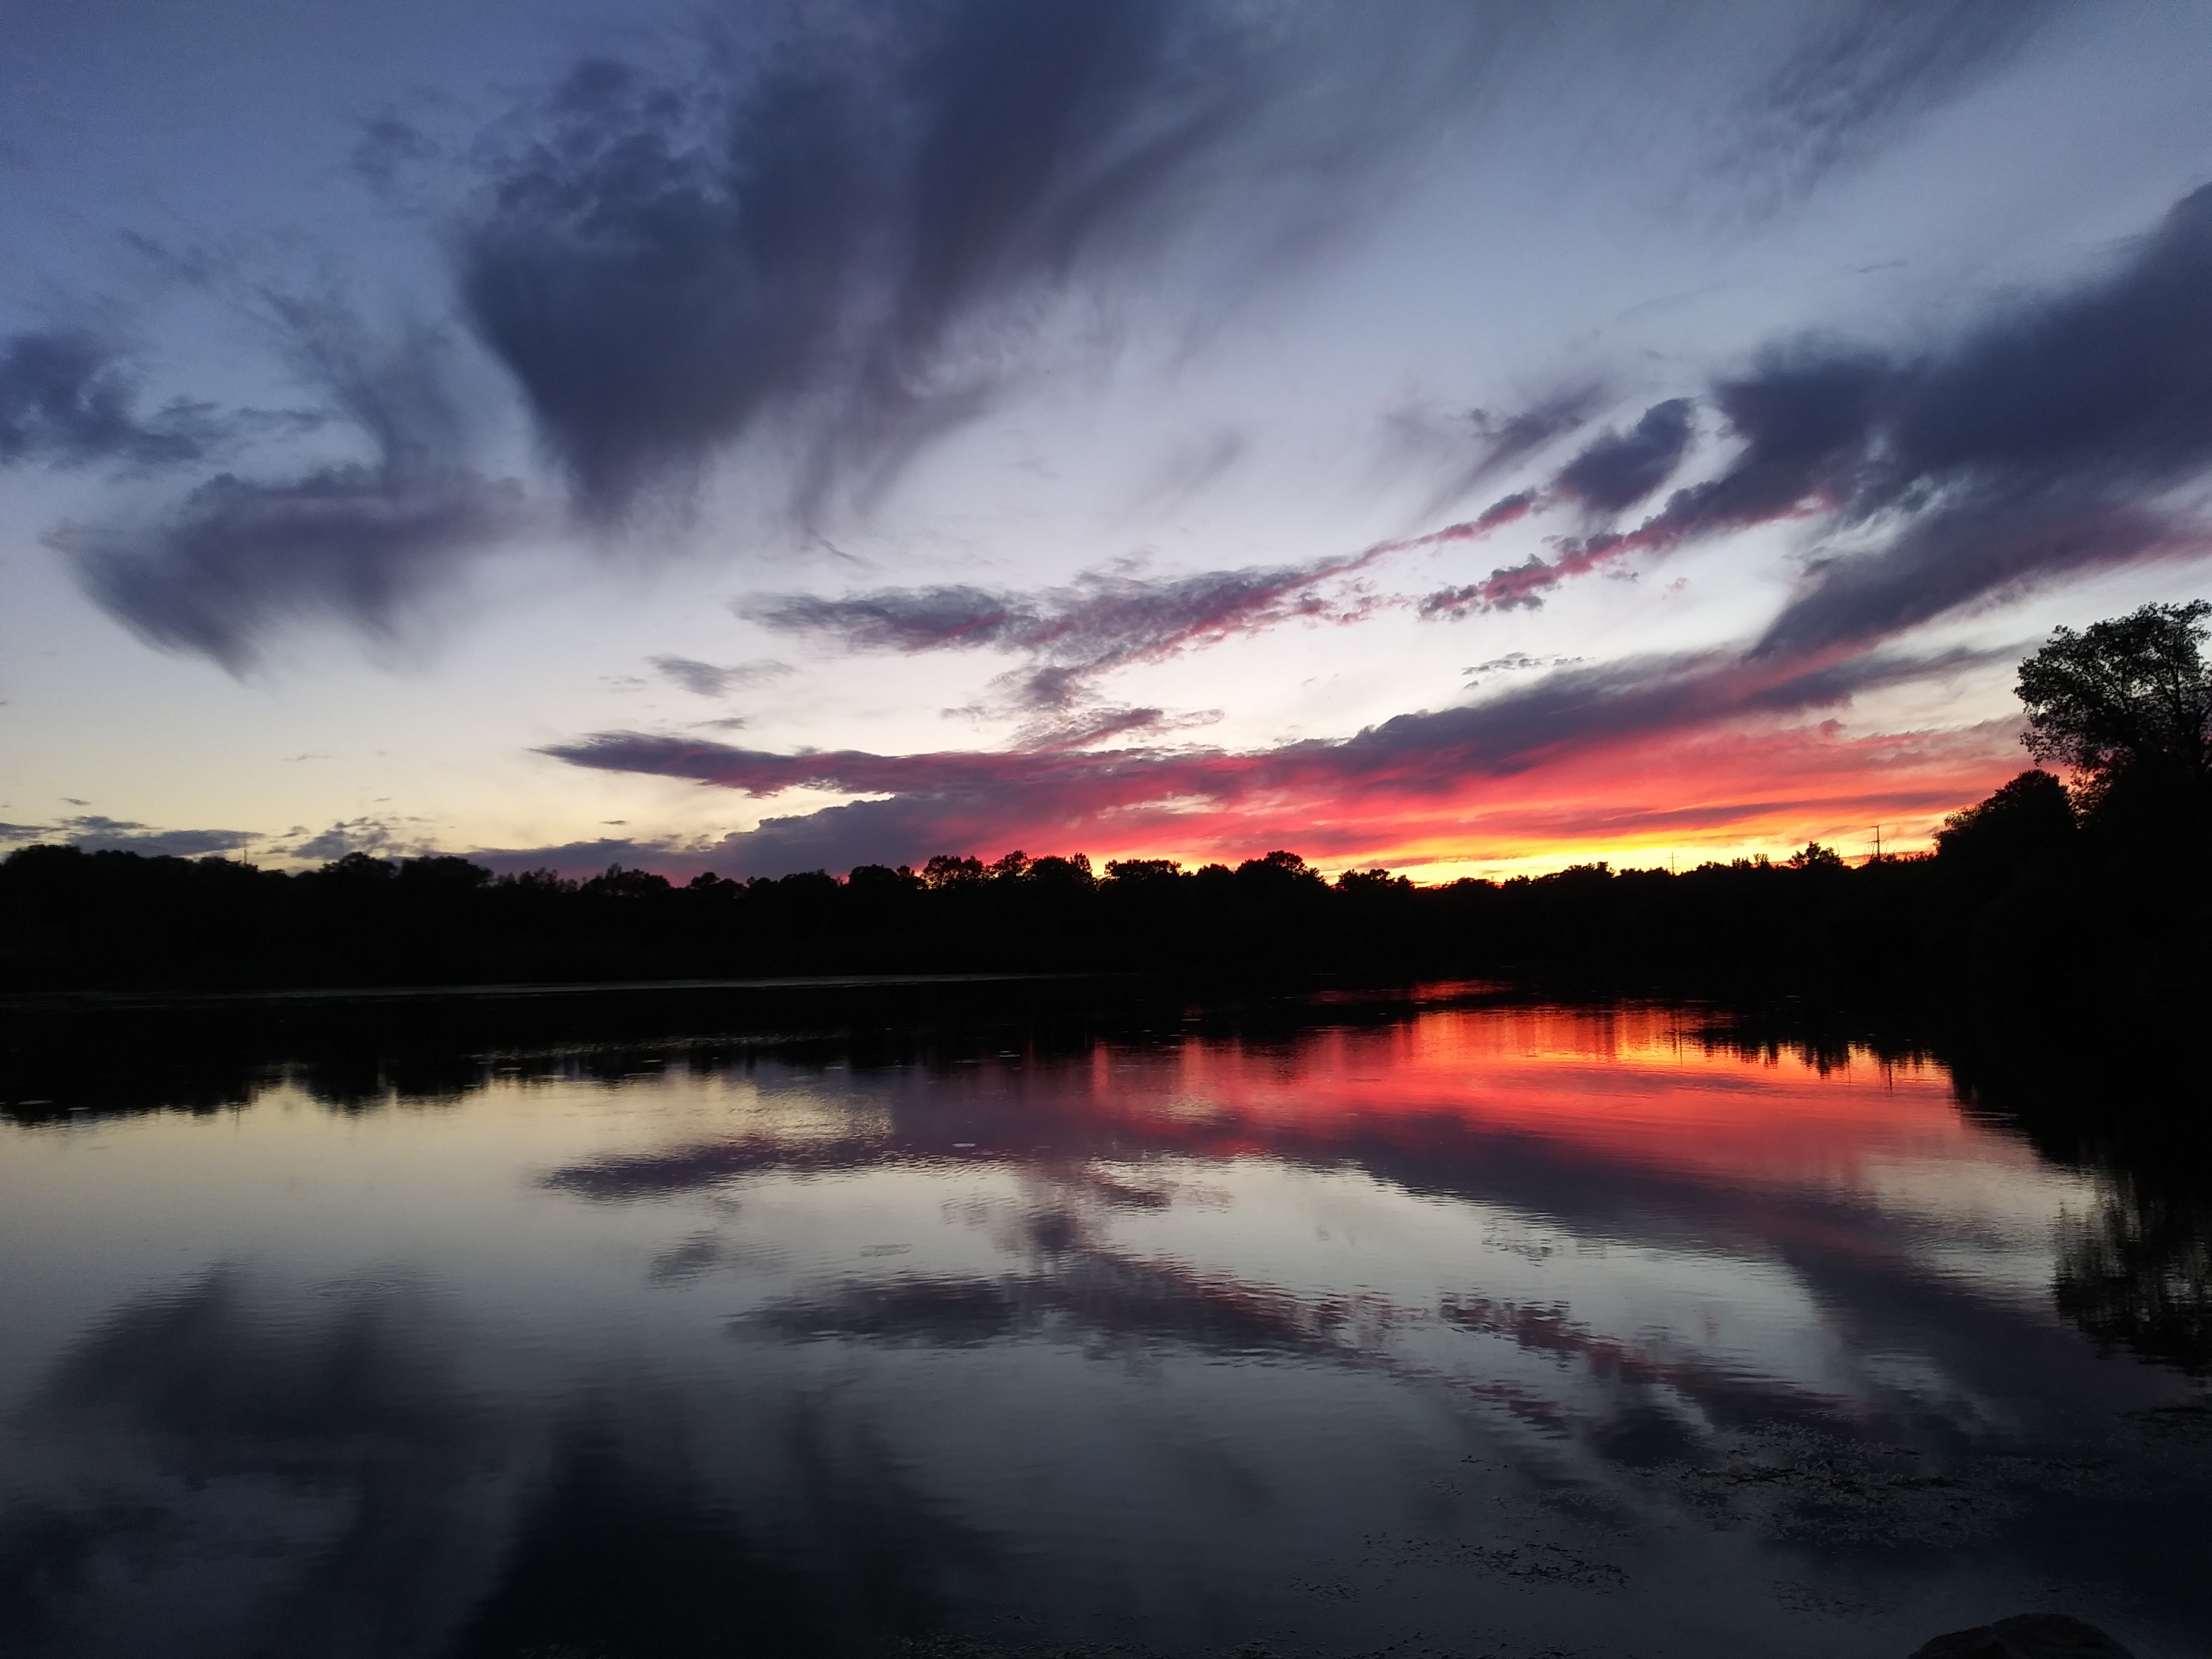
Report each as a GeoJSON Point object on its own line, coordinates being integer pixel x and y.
{"type": "Point", "coordinates": [2041, 897]}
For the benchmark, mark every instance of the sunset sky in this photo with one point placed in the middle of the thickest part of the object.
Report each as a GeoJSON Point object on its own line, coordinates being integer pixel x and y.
{"type": "Point", "coordinates": [775, 436]}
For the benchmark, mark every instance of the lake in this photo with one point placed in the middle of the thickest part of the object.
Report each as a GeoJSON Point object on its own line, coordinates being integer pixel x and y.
{"type": "Point", "coordinates": [1433, 1321]}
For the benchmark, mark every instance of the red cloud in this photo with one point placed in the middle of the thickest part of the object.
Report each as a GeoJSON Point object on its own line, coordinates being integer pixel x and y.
{"type": "Point", "coordinates": [1674, 752]}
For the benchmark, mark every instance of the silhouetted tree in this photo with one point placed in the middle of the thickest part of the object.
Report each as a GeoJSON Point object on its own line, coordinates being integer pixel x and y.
{"type": "Point", "coordinates": [2030, 815]}
{"type": "Point", "coordinates": [2127, 692]}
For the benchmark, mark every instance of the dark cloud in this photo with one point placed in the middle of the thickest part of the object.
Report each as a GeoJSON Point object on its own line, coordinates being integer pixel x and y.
{"type": "Point", "coordinates": [652, 288]}
{"type": "Point", "coordinates": [68, 399]}
{"type": "Point", "coordinates": [905, 619]}
{"type": "Point", "coordinates": [1504, 511]}
{"type": "Point", "coordinates": [850, 228]}
{"type": "Point", "coordinates": [843, 837]}
{"type": "Point", "coordinates": [1621, 468]}
{"type": "Point", "coordinates": [1103, 621]}
{"type": "Point", "coordinates": [95, 834]}
{"type": "Point", "coordinates": [665, 265]}
{"type": "Point", "coordinates": [236, 557]}
{"type": "Point", "coordinates": [2036, 444]}
{"type": "Point", "coordinates": [360, 541]}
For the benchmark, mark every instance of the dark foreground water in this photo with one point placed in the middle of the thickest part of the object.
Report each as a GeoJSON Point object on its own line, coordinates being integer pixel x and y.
{"type": "Point", "coordinates": [1435, 1325]}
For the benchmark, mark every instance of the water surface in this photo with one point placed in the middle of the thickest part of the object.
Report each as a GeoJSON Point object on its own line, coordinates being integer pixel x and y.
{"type": "Point", "coordinates": [1446, 1325]}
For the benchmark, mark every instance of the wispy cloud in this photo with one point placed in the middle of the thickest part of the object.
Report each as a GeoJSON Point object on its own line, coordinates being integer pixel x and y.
{"type": "Point", "coordinates": [843, 233]}
{"type": "Point", "coordinates": [1074, 636]}
{"type": "Point", "coordinates": [708, 679]}
{"type": "Point", "coordinates": [68, 399]}
{"type": "Point", "coordinates": [1841, 91]}
{"type": "Point", "coordinates": [362, 542]}
{"type": "Point", "coordinates": [1351, 794]}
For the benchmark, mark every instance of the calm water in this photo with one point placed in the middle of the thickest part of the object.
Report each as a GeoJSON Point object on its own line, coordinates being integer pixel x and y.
{"type": "Point", "coordinates": [1440, 1328]}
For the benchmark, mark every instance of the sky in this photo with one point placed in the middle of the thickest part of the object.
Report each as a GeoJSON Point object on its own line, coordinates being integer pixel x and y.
{"type": "Point", "coordinates": [1471, 438]}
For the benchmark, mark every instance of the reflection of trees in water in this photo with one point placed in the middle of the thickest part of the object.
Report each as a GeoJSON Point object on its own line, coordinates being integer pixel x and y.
{"type": "Point", "coordinates": [2137, 1271]}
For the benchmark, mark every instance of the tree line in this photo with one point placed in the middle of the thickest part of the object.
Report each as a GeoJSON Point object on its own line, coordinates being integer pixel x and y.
{"type": "Point", "coordinates": [2094, 894]}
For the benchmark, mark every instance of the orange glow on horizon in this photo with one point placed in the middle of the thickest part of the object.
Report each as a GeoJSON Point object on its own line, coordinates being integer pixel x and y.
{"type": "Point", "coordinates": [1714, 796]}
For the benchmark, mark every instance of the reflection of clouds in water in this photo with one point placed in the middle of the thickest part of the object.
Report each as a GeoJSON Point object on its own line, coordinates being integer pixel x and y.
{"type": "Point", "coordinates": [1094, 1299]}
{"type": "Point", "coordinates": [1727, 1300]}
{"type": "Point", "coordinates": [266, 1478]}
{"type": "Point", "coordinates": [1627, 1316]}
{"type": "Point", "coordinates": [272, 1485]}
{"type": "Point", "coordinates": [1137, 1334]}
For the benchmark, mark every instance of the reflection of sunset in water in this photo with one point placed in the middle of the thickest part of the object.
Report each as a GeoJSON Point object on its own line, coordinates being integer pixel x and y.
{"type": "Point", "coordinates": [1628, 1087]}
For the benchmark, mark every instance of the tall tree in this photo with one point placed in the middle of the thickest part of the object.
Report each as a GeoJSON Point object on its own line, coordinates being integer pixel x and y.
{"type": "Point", "coordinates": [2127, 692]}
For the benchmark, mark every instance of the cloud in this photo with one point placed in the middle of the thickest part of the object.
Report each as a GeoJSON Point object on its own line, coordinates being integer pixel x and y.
{"type": "Point", "coordinates": [708, 679]}
{"type": "Point", "coordinates": [1496, 736]}
{"type": "Point", "coordinates": [1087, 728]}
{"type": "Point", "coordinates": [666, 853]}
{"type": "Point", "coordinates": [94, 834]}
{"type": "Point", "coordinates": [1521, 661]}
{"type": "Point", "coordinates": [1621, 468]}
{"type": "Point", "coordinates": [66, 400]}
{"type": "Point", "coordinates": [1836, 95]}
{"type": "Point", "coordinates": [843, 235]}
{"type": "Point", "coordinates": [665, 265]}
{"type": "Point", "coordinates": [360, 541]}
{"type": "Point", "coordinates": [2036, 444]}
{"type": "Point", "coordinates": [1073, 635]}
{"type": "Point", "coordinates": [1445, 767]}
{"type": "Point", "coordinates": [1479, 445]}
{"type": "Point", "coordinates": [383, 838]}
